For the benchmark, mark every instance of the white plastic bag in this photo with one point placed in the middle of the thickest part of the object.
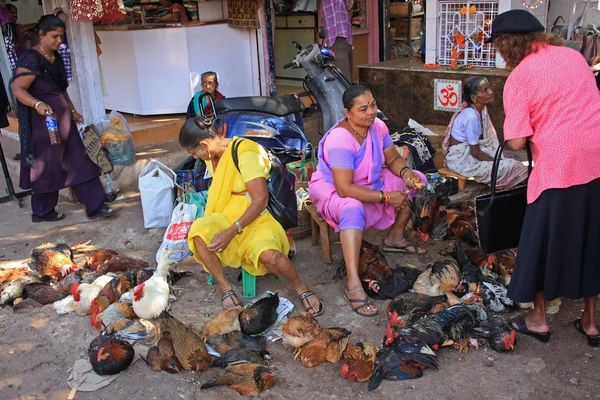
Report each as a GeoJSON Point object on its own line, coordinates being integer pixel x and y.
{"type": "Point", "coordinates": [116, 139]}
{"type": "Point", "coordinates": [175, 238]}
{"type": "Point", "coordinates": [156, 184]}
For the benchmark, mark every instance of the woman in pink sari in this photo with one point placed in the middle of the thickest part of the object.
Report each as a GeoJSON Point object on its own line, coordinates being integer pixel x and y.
{"type": "Point", "coordinates": [353, 191]}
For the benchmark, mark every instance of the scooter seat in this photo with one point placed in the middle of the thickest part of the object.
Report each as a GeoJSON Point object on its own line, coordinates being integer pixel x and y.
{"type": "Point", "coordinates": [278, 105]}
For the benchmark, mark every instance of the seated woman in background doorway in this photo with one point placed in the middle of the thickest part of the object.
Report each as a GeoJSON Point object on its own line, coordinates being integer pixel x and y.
{"type": "Point", "coordinates": [177, 12]}
{"type": "Point", "coordinates": [210, 84]}
{"type": "Point", "coordinates": [471, 142]}
{"type": "Point", "coordinates": [353, 192]}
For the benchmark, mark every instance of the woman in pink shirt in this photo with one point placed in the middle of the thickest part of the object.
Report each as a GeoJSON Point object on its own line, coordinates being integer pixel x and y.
{"type": "Point", "coordinates": [552, 103]}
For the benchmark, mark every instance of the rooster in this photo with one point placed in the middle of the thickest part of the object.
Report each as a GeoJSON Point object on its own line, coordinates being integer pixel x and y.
{"type": "Point", "coordinates": [393, 366]}
{"type": "Point", "coordinates": [426, 212]}
{"type": "Point", "coordinates": [110, 356]}
{"type": "Point", "coordinates": [402, 280]}
{"type": "Point", "coordinates": [189, 347]}
{"type": "Point", "coordinates": [85, 293]}
{"type": "Point", "coordinates": [225, 322]}
{"type": "Point", "coordinates": [503, 263]}
{"type": "Point", "coordinates": [260, 316]}
{"type": "Point", "coordinates": [162, 356]}
{"type": "Point", "coordinates": [439, 278]}
{"type": "Point", "coordinates": [409, 307]}
{"type": "Point", "coordinates": [371, 263]}
{"type": "Point", "coordinates": [497, 333]}
{"type": "Point", "coordinates": [64, 285]}
{"type": "Point", "coordinates": [299, 330]}
{"type": "Point", "coordinates": [110, 293]}
{"type": "Point", "coordinates": [10, 274]}
{"type": "Point", "coordinates": [238, 340]}
{"type": "Point", "coordinates": [151, 297]}
{"type": "Point", "coordinates": [53, 260]}
{"type": "Point", "coordinates": [359, 362]}
{"type": "Point", "coordinates": [99, 257]}
{"type": "Point", "coordinates": [247, 379]}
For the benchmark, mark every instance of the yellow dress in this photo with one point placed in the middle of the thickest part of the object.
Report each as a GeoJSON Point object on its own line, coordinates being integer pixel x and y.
{"type": "Point", "coordinates": [227, 202]}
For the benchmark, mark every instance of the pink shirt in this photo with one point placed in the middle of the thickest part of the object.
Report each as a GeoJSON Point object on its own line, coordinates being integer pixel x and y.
{"type": "Point", "coordinates": [551, 99]}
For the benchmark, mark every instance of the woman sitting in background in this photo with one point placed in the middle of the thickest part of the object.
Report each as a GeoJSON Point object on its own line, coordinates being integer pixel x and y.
{"type": "Point", "coordinates": [471, 142]}
{"type": "Point", "coordinates": [353, 191]}
{"type": "Point", "coordinates": [236, 229]}
{"type": "Point", "coordinates": [177, 12]}
{"type": "Point", "coordinates": [210, 84]}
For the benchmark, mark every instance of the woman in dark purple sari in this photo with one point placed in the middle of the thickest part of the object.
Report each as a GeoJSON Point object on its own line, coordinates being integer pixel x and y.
{"type": "Point", "coordinates": [40, 86]}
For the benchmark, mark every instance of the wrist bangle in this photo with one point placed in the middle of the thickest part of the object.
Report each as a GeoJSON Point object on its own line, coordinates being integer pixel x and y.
{"type": "Point", "coordinates": [381, 196]}
{"type": "Point", "coordinates": [239, 227]}
{"type": "Point", "coordinates": [402, 171]}
{"type": "Point", "coordinates": [36, 104]}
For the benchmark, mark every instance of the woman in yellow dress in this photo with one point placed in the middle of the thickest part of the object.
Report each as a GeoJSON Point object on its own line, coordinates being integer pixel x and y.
{"type": "Point", "coordinates": [236, 229]}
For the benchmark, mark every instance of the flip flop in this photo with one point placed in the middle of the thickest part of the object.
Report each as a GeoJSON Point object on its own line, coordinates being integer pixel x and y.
{"type": "Point", "coordinates": [518, 324]}
{"type": "Point", "coordinates": [362, 303]}
{"type": "Point", "coordinates": [104, 212]}
{"type": "Point", "coordinates": [402, 247]}
{"type": "Point", "coordinates": [231, 294]}
{"type": "Point", "coordinates": [304, 296]}
{"type": "Point", "coordinates": [593, 341]}
{"type": "Point", "coordinates": [56, 217]}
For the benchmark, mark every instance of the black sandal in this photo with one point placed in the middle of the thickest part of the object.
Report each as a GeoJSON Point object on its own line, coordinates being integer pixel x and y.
{"type": "Point", "coordinates": [231, 294]}
{"type": "Point", "coordinates": [304, 297]}
{"type": "Point", "coordinates": [104, 212]}
{"type": "Point", "coordinates": [362, 303]}
{"type": "Point", "coordinates": [57, 216]}
{"type": "Point", "coordinates": [519, 325]}
{"type": "Point", "coordinates": [593, 341]}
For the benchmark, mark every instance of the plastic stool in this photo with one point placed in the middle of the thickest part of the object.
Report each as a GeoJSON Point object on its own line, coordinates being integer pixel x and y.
{"type": "Point", "coordinates": [248, 284]}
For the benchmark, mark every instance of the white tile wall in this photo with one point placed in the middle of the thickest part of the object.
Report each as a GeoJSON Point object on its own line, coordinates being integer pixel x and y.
{"type": "Point", "coordinates": [211, 10]}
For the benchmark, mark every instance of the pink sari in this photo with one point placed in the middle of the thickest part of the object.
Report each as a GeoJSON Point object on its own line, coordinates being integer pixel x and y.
{"type": "Point", "coordinates": [339, 149]}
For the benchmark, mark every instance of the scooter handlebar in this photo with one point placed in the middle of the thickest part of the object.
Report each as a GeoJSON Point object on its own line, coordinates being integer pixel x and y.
{"type": "Point", "coordinates": [288, 65]}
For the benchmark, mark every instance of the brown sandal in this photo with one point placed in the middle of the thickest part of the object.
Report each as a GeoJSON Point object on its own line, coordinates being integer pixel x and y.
{"type": "Point", "coordinates": [362, 303]}
{"type": "Point", "coordinates": [304, 297]}
{"type": "Point", "coordinates": [231, 294]}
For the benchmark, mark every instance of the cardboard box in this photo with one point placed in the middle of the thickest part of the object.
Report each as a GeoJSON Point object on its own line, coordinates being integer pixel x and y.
{"type": "Point", "coordinates": [95, 151]}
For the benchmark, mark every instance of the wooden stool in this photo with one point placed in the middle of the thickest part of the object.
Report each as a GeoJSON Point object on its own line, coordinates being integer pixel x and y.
{"type": "Point", "coordinates": [320, 229]}
{"type": "Point", "coordinates": [462, 180]}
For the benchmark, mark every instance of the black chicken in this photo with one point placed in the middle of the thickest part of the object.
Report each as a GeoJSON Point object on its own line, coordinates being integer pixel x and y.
{"type": "Point", "coordinates": [238, 340]}
{"type": "Point", "coordinates": [236, 355]}
{"type": "Point", "coordinates": [409, 307]}
{"type": "Point", "coordinates": [469, 272]}
{"type": "Point", "coordinates": [109, 355]}
{"type": "Point", "coordinates": [498, 334]}
{"type": "Point", "coordinates": [260, 316]}
{"type": "Point", "coordinates": [393, 366]}
{"type": "Point", "coordinates": [401, 280]}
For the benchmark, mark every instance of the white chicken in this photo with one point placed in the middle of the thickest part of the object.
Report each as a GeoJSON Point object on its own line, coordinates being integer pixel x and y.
{"type": "Point", "coordinates": [151, 298]}
{"type": "Point", "coordinates": [84, 293]}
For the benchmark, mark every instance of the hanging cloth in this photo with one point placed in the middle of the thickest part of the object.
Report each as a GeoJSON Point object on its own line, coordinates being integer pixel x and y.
{"type": "Point", "coordinates": [243, 14]}
{"type": "Point", "coordinates": [104, 11]}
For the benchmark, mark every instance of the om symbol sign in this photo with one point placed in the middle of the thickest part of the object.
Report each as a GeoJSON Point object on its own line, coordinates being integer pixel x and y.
{"type": "Point", "coordinates": [448, 96]}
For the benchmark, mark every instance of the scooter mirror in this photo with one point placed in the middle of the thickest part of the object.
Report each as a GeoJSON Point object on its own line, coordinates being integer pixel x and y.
{"type": "Point", "coordinates": [322, 33]}
{"type": "Point", "coordinates": [297, 46]}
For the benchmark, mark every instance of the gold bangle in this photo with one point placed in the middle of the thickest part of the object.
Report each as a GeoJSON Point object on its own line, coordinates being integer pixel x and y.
{"type": "Point", "coordinates": [36, 104]}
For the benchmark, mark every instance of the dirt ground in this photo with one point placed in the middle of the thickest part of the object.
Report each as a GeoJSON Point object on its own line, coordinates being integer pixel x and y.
{"type": "Point", "coordinates": [38, 349]}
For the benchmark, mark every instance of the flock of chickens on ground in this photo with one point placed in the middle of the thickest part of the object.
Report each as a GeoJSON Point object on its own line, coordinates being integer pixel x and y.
{"type": "Point", "coordinates": [447, 304]}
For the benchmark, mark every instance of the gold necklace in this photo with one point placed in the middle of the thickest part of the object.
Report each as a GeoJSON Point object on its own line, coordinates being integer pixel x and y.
{"type": "Point", "coordinates": [356, 133]}
{"type": "Point", "coordinates": [45, 55]}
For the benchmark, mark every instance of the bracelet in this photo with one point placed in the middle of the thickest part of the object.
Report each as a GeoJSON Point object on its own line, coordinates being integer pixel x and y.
{"type": "Point", "coordinates": [36, 104]}
{"type": "Point", "coordinates": [239, 227]}
{"type": "Point", "coordinates": [387, 197]}
{"type": "Point", "coordinates": [381, 196]}
{"type": "Point", "coordinates": [402, 170]}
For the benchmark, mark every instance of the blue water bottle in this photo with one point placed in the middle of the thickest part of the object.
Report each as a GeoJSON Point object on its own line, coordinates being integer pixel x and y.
{"type": "Point", "coordinates": [52, 129]}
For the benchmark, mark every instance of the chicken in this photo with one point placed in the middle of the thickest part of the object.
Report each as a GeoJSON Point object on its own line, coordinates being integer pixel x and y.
{"type": "Point", "coordinates": [162, 356]}
{"type": "Point", "coordinates": [247, 379]}
{"type": "Point", "coordinates": [110, 293]}
{"type": "Point", "coordinates": [141, 275]}
{"type": "Point", "coordinates": [463, 230]}
{"type": "Point", "coordinates": [14, 289]}
{"type": "Point", "coordinates": [151, 297]}
{"type": "Point", "coordinates": [227, 321]}
{"type": "Point", "coordinates": [116, 316]}
{"type": "Point", "coordinates": [42, 293]}
{"type": "Point", "coordinates": [85, 293]}
{"type": "Point", "coordinates": [238, 340]}
{"type": "Point", "coordinates": [438, 279]}
{"type": "Point", "coordinates": [10, 274]}
{"type": "Point", "coordinates": [21, 306]}
{"type": "Point", "coordinates": [119, 263]}
{"type": "Point", "coordinates": [503, 263]}
{"type": "Point", "coordinates": [371, 264]}
{"type": "Point", "coordinates": [299, 330]}
{"type": "Point", "coordinates": [409, 307]}
{"type": "Point", "coordinates": [53, 260]}
{"type": "Point", "coordinates": [99, 257]}
{"type": "Point", "coordinates": [234, 356]}
{"type": "Point", "coordinates": [393, 366]}
{"type": "Point", "coordinates": [189, 347]}
{"type": "Point", "coordinates": [494, 297]}
{"type": "Point", "coordinates": [138, 330]}
{"type": "Point", "coordinates": [260, 316]}
{"type": "Point", "coordinates": [109, 355]}
{"type": "Point", "coordinates": [359, 362]}
{"type": "Point", "coordinates": [328, 345]}
{"type": "Point", "coordinates": [402, 280]}
{"type": "Point", "coordinates": [497, 333]}
{"type": "Point", "coordinates": [426, 212]}
{"type": "Point", "coordinates": [64, 285]}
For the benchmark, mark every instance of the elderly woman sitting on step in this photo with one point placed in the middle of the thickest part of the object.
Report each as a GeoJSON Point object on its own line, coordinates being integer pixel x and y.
{"type": "Point", "coordinates": [471, 142]}
{"type": "Point", "coordinates": [353, 192]}
{"type": "Point", "coordinates": [236, 229]}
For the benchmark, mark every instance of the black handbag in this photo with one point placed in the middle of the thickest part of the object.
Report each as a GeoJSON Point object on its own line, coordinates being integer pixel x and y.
{"type": "Point", "coordinates": [500, 214]}
{"type": "Point", "coordinates": [281, 185]}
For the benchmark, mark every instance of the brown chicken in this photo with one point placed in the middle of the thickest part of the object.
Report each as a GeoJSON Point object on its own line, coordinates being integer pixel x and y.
{"type": "Point", "coordinates": [227, 321]}
{"type": "Point", "coordinates": [299, 330]}
{"type": "Point", "coordinates": [246, 379]}
{"type": "Point", "coordinates": [42, 293]}
{"type": "Point", "coordinates": [426, 212]}
{"type": "Point", "coordinates": [503, 262]}
{"type": "Point", "coordinates": [328, 345]}
{"type": "Point", "coordinates": [116, 316]}
{"type": "Point", "coordinates": [371, 264]}
{"type": "Point", "coordinates": [359, 362]}
{"type": "Point", "coordinates": [21, 306]}
{"type": "Point", "coordinates": [110, 293]}
{"type": "Point", "coordinates": [99, 257]}
{"type": "Point", "coordinates": [189, 347]}
{"type": "Point", "coordinates": [10, 274]}
{"type": "Point", "coordinates": [53, 260]}
{"type": "Point", "coordinates": [109, 355]}
{"type": "Point", "coordinates": [120, 263]}
{"type": "Point", "coordinates": [162, 356]}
